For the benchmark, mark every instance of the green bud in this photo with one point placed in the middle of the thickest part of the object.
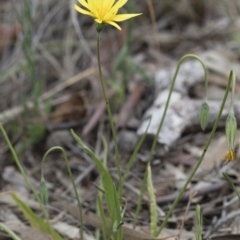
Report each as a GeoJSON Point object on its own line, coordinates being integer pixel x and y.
{"type": "Point", "coordinates": [204, 115]}
{"type": "Point", "coordinates": [43, 192]}
{"type": "Point", "coordinates": [231, 129]}
{"type": "Point", "coordinates": [100, 27]}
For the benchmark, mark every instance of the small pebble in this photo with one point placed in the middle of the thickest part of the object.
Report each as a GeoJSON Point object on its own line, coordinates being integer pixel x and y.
{"type": "Point", "coordinates": [127, 141]}
{"type": "Point", "coordinates": [59, 138]}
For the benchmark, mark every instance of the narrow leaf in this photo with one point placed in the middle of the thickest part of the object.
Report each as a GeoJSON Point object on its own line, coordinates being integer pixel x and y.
{"type": "Point", "coordinates": [153, 204]}
{"type": "Point", "coordinates": [34, 220]}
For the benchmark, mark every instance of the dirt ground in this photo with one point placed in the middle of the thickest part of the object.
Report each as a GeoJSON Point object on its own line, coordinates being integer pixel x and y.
{"type": "Point", "coordinates": [50, 84]}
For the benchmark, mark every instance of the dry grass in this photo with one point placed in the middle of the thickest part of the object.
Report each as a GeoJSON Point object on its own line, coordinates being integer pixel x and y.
{"type": "Point", "coordinates": [68, 91]}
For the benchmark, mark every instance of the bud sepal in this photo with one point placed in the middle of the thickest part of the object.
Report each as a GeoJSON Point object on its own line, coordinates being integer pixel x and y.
{"type": "Point", "coordinates": [231, 129]}
{"type": "Point", "coordinates": [204, 115]}
{"type": "Point", "coordinates": [43, 192]}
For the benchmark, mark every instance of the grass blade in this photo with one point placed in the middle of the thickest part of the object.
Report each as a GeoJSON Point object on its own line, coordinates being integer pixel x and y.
{"type": "Point", "coordinates": [34, 220]}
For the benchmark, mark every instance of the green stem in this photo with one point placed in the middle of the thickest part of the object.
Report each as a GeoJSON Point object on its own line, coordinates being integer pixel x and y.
{"type": "Point", "coordinates": [233, 91]}
{"type": "Point", "coordinates": [205, 82]}
{"type": "Point", "coordinates": [9, 231]}
{"type": "Point", "coordinates": [108, 107]}
{"type": "Point", "coordinates": [23, 172]}
{"type": "Point", "coordinates": [169, 97]}
{"type": "Point", "coordinates": [232, 185]}
{"type": "Point", "coordinates": [143, 186]}
{"type": "Point", "coordinates": [200, 159]}
{"type": "Point", "coordinates": [72, 180]}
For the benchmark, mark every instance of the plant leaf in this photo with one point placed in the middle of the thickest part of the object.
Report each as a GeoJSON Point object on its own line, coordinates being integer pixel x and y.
{"type": "Point", "coordinates": [34, 220]}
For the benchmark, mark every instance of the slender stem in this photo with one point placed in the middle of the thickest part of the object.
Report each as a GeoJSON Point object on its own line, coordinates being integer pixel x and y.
{"type": "Point", "coordinates": [233, 91]}
{"type": "Point", "coordinates": [108, 107]}
{"type": "Point", "coordinates": [169, 97]}
{"type": "Point", "coordinates": [205, 82]}
{"type": "Point", "coordinates": [200, 159]}
{"type": "Point", "coordinates": [232, 185]}
{"type": "Point", "coordinates": [23, 172]}
{"type": "Point", "coordinates": [143, 186]}
{"type": "Point", "coordinates": [72, 180]}
{"type": "Point", "coordinates": [9, 231]}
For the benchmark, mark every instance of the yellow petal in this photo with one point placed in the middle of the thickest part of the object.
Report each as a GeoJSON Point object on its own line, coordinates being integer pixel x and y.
{"type": "Point", "coordinates": [114, 24]}
{"type": "Point", "coordinates": [84, 3]}
{"type": "Point", "coordinates": [83, 11]}
{"type": "Point", "coordinates": [120, 3]}
{"type": "Point", "coordinates": [98, 20]}
{"type": "Point", "coordinates": [91, 5]}
{"type": "Point", "coordinates": [122, 17]}
{"type": "Point", "coordinates": [113, 11]}
{"type": "Point", "coordinates": [111, 2]}
{"type": "Point", "coordinates": [107, 4]}
{"type": "Point", "coordinates": [230, 156]}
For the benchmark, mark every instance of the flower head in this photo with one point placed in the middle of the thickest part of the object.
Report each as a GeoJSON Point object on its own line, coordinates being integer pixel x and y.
{"type": "Point", "coordinates": [230, 156]}
{"type": "Point", "coordinates": [104, 11]}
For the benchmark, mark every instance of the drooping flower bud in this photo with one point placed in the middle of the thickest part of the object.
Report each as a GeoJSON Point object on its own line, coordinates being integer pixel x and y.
{"type": "Point", "coordinates": [231, 129]}
{"type": "Point", "coordinates": [204, 115]}
{"type": "Point", "coordinates": [43, 192]}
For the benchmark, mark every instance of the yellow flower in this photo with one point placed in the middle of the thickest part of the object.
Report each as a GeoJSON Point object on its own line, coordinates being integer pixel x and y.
{"type": "Point", "coordinates": [104, 11]}
{"type": "Point", "coordinates": [230, 156]}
